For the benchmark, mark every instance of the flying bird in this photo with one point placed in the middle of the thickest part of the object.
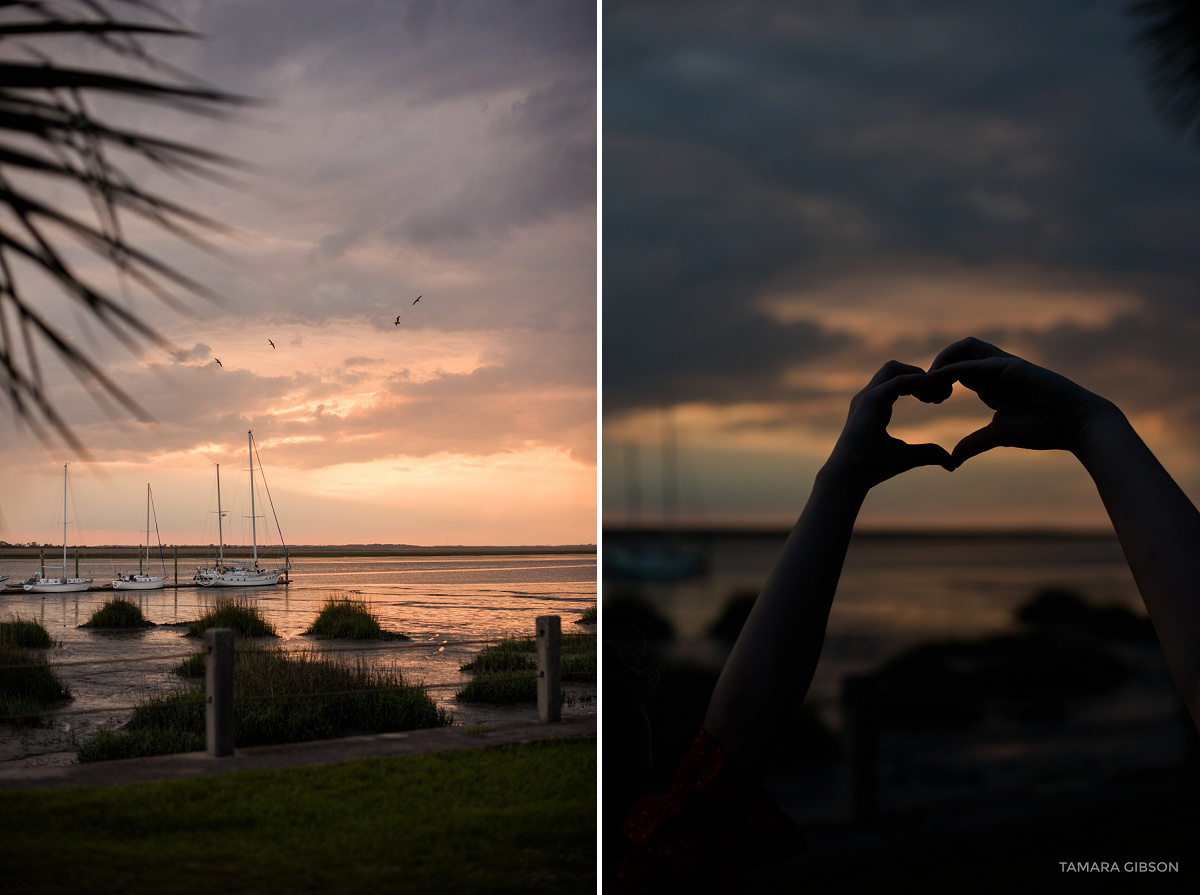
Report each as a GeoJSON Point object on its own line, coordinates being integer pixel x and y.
{"type": "Point", "coordinates": [397, 320]}
{"type": "Point", "coordinates": [418, 298]}
{"type": "Point", "coordinates": [272, 343]}
{"type": "Point", "coordinates": [218, 360]}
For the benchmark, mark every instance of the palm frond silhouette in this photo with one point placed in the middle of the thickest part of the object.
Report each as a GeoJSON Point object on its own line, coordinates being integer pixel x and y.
{"type": "Point", "coordinates": [1168, 35]}
{"type": "Point", "coordinates": [66, 194]}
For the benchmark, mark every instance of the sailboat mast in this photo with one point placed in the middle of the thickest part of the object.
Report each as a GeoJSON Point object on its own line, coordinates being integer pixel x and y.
{"type": "Point", "coordinates": [64, 571]}
{"type": "Point", "coordinates": [140, 570]}
{"type": "Point", "coordinates": [253, 530]}
{"type": "Point", "coordinates": [220, 536]}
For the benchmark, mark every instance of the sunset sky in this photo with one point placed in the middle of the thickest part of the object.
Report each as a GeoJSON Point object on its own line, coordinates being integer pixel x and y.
{"type": "Point", "coordinates": [795, 193]}
{"type": "Point", "coordinates": [446, 150]}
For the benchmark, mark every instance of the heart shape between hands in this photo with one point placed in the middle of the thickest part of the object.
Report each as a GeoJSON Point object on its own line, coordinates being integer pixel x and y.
{"type": "Point", "coordinates": [911, 420]}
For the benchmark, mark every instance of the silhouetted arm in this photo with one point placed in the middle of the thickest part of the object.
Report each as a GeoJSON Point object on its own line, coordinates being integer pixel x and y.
{"type": "Point", "coordinates": [776, 653]}
{"type": "Point", "coordinates": [1158, 526]}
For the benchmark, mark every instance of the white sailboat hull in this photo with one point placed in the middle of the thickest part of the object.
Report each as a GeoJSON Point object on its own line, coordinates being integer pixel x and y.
{"type": "Point", "coordinates": [40, 585]}
{"type": "Point", "coordinates": [230, 576]}
{"type": "Point", "coordinates": [139, 582]}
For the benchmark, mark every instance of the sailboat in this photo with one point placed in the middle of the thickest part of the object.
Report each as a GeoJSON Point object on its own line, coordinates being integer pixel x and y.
{"type": "Point", "coordinates": [230, 574]}
{"type": "Point", "coordinates": [661, 557]}
{"type": "Point", "coordinates": [144, 581]}
{"type": "Point", "coordinates": [39, 583]}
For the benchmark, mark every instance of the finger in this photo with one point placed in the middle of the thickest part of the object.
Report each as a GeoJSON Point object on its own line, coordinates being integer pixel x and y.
{"type": "Point", "coordinates": [978, 442]}
{"type": "Point", "coordinates": [891, 370]}
{"type": "Point", "coordinates": [932, 391]}
{"type": "Point", "coordinates": [887, 391]}
{"type": "Point", "coordinates": [915, 455]}
{"type": "Point", "coordinates": [971, 373]}
{"type": "Point", "coordinates": [966, 349]}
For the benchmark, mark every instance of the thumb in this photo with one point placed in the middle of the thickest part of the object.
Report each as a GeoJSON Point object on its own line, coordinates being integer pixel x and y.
{"type": "Point", "coordinates": [978, 442]}
{"type": "Point", "coordinates": [915, 455]}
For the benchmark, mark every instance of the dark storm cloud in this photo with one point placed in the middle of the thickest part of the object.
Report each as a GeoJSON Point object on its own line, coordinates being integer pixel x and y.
{"type": "Point", "coordinates": [755, 145]}
{"type": "Point", "coordinates": [377, 84]}
{"type": "Point", "coordinates": [362, 49]}
{"type": "Point", "coordinates": [542, 161]}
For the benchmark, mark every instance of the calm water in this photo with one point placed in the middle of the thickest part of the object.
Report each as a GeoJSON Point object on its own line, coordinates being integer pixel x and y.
{"type": "Point", "coordinates": [895, 592]}
{"type": "Point", "coordinates": [445, 604]}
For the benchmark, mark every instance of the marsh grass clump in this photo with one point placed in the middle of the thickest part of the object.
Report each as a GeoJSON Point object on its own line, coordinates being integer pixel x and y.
{"type": "Point", "coordinates": [499, 689]}
{"type": "Point", "coordinates": [24, 633]}
{"type": "Point", "coordinates": [508, 655]}
{"type": "Point", "coordinates": [109, 745]}
{"type": "Point", "coordinates": [506, 672]}
{"type": "Point", "coordinates": [237, 615]}
{"type": "Point", "coordinates": [350, 619]}
{"type": "Point", "coordinates": [279, 697]}
{"type": "Point", "coordinates": [579, 658]}
{"type": "Point", "coordinates": [1038, 677]}
{"type": "Point", "coordinates": [191, 667]}
{"type": "Point", "coordinates": [27, 685]}
{"type": "Point", "coordinates": [588, 617]}
{"type": "Point", "coordinates": [118, 613]}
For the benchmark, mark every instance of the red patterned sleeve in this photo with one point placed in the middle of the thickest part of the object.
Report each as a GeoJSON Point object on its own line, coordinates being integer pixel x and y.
{"type": "Point", "coordinates": [713, 825]}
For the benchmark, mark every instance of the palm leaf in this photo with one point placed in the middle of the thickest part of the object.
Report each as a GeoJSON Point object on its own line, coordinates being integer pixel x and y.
{"type": "Point", "coordinates": [48, 134]}
{"type": "Point", "coordinates": [1169, 37]}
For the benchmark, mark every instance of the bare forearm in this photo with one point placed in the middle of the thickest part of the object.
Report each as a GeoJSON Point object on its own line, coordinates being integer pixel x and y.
{"type": "Point", "coordinates": [1159, 530]}
{"type": "Point", "coordinates": [776, 654]}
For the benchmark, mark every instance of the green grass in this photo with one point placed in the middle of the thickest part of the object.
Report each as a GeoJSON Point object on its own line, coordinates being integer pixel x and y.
{"type": "Point", "coordinates": [508, 655]}
{"type": "Point", "coordinates": [192, 667]}
{"type": "Point", "coordinates": [510, 819]}
{"type": "Point", "coordinates": [244, 620]}
{"type": "Point", "coordinates": [497, 690]}
{"type": "Point", "coordinates": [589, 617]}
{"type": "Point", "coordinates": [279, 697]}
{"type": "Point", "coordinates": [346, 618]}
{"type": "Point", "coordinates": [118, 613]}
{"type": "Point", "coordinates": [24, 633]}
{"type": "Point", "coordinates": [27, 685]}
{"type": "Point", "coordinates": [506, 672]}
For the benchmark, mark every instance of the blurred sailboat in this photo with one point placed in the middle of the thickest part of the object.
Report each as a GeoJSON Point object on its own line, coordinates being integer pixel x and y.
{"type": "Point", "coordinates": [654, 556]}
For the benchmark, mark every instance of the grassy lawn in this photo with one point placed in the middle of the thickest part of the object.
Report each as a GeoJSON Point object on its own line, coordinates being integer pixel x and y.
{"type": "Point", "coordinates": [516, 819]}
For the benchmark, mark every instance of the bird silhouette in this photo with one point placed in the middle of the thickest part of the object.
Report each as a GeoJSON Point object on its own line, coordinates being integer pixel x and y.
{"type": "Point", "coordinates": [272, 343]}
{"type": "Point", "coordinates": [397, 320]}
{"type": "Point", "coordinates": [218, 360]}
{"type": "Point", "coordinates": [417, 299]}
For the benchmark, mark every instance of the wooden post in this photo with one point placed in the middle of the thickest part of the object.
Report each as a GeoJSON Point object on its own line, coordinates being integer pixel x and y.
{"type": "Point", "coordinates": [218, 691]}
{"type": "Point", "coordinates": [859, 722]}
{"type": "Point", "coordinates": [549, 655]}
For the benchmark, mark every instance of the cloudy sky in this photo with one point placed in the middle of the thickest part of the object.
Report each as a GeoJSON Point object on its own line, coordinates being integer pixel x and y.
{"type": "Point", "coordinates": [795, 193]}
{"type": "Point", "coordinates": [444, 149]}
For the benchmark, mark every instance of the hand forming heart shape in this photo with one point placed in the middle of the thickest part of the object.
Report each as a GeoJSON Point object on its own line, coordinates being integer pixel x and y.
{"type": "Point", "coordinates": [1034, 408]}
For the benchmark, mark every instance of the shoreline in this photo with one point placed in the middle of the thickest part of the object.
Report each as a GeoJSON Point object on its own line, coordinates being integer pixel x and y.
{"type": "Point", "coordinates": [194, 551]}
